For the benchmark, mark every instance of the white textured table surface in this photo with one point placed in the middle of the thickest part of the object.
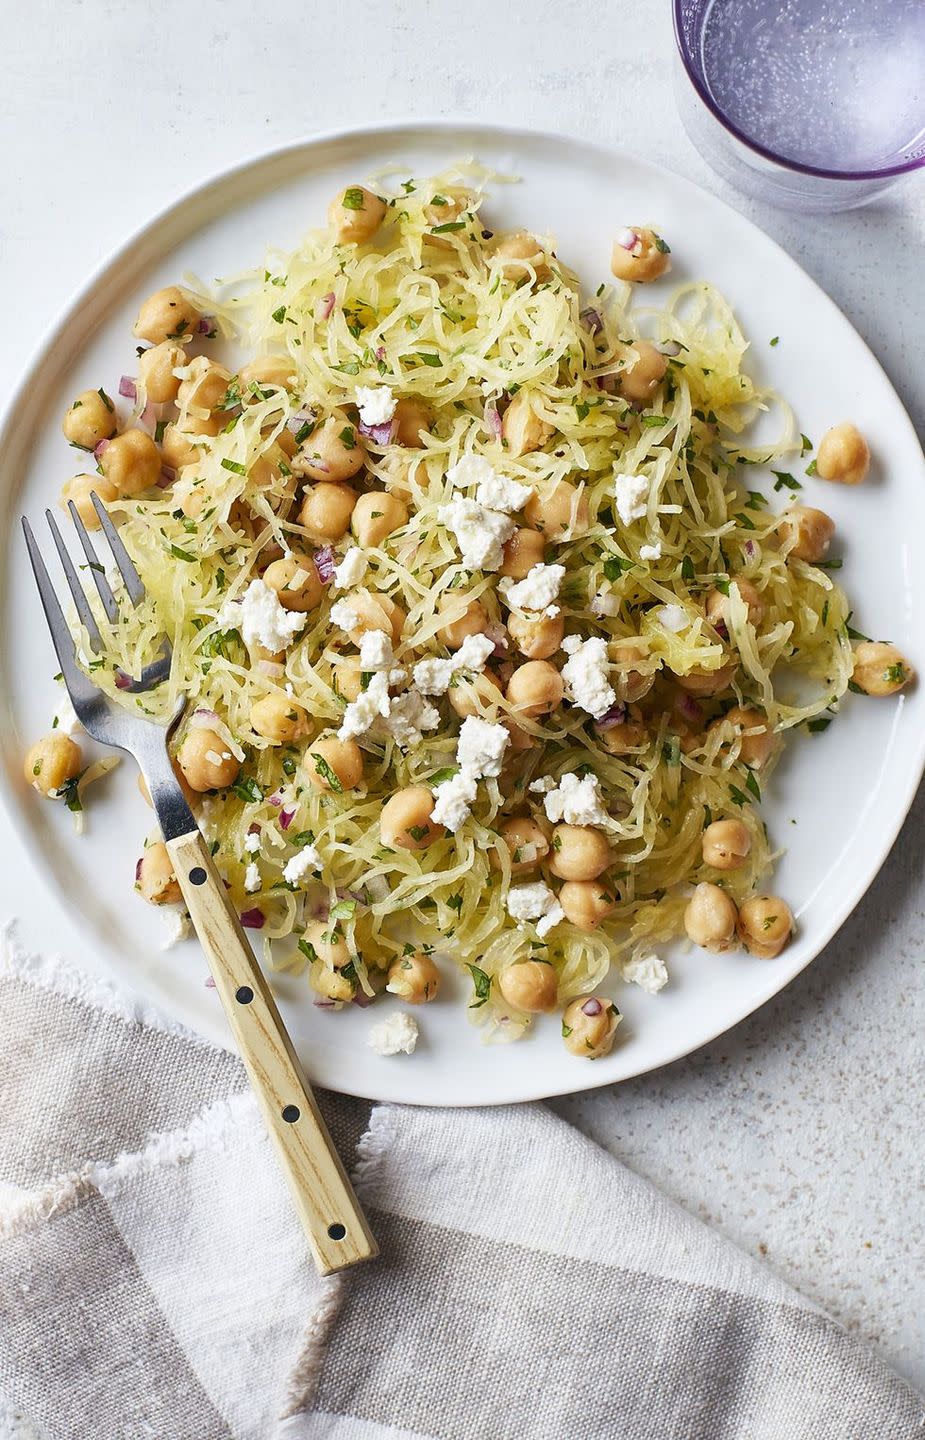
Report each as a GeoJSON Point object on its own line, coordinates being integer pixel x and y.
{"type": "Point", "coordinates": [799, 1134]}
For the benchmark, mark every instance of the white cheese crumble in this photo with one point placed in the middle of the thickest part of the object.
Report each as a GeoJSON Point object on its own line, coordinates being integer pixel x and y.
{"type": "Point", "coordinates": [605, 604]}
{"type": "Point", "coordinates": [432, 677]}
{"type": "Point", "coordinates": [351, 569]}
{"type": "Point", "coordinates": [252, 880]}
{"type": "Point", "coordinates": [537, 590]}
{"type": "Point", "coordinates": [498, 493]}
{"type": "Point", "coordinates": [480, 533]}
{"type": "Point", "coordinates": [673, 618]}
{"type": "Point", "coordinates": [453, 800]}
{"type": "Point", "coordinates": [577, 802]}
{"type": "Point", "coordinates": [66, 716]}
{"type": "Point", "coordinates": [631, 492]}
{"type": "Point", "coordinates": [179, 927]}
{"type": "Point", "coordinates": [261, 619]}
{"type": "Point", "coordinates": [469, 470]}
{"type": "Point", "coordinates": [585, 675]}
{"type": "Point", "coordinates": [542, 785]}
{"type": "Point", "coordinates": [376, 651]}
{"type": "Point", "coordinates": [649, 972]}
{"type": "Point", "coordinates": [299, 865]}
{"type": "Point", "coordinates": [376, 404]}
{"type": "Point", "coordinates": [343, 617]}
{"type": "Point", "coordinates": [481, 746]}
{"type": "Point", "coordinates": [370, 704]}
{"type": "Point", "coordinates": [408, 717]}
{"type": "Point", "coordinates": [535, 902]}
{"type": "Point", "coordinates": [651, 552]}
{"type": "Point", "coordinates": [396, 1034]}
{"type": "Point", "coordinates": [252, 844]}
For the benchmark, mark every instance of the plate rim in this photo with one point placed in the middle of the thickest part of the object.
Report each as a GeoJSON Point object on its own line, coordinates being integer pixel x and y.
{"type": "Point", "coordinates": [409, 130]}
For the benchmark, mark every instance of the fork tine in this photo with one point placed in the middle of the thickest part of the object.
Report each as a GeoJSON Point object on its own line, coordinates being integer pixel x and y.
{"type": "Point", "coordinates": [100, 580]}
{"type": "Point", "coordinates": [77, 683]}
{"type": "Point", "coordinates": [123, 559]}
{"type": "Point", "coordinates": [74, 585]}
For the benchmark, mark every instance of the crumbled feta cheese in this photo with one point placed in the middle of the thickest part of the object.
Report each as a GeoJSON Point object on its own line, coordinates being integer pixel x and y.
{"type": "Point", "coordinates": [470, 470]}
{"type": "Point", "coordinates": [585, 675]}
{"type": "Point", "coordinates": [252, 881]}
{"type": "Point", "coordinates": [577, 802]}
{"type": "Point", "coordinates": [396, 1034]}
{"type": "Point", "coordinates": [631, 492]}
{"type": "Point", "coordinates": [473, 652]}
{"type": "Point", "coordinates": [535, 902]}
{"type": "Point", "coordinates": [261, 619]}
{"type": "Point", "coordinates": [369, 705]}
{"type": "Point", "coordinates": [480, 533]}
{"type": "Point", "coordinates": [673, 618]}
{"type": "Point", "coordinates": [537, 590]}
{"type": "Point", "coordinates": [343, 617]}
{"type": "Point", "coordinates": [376, 651]}
{"type": "Point", "coordinates": [351, 569]}
{"type": "Point", "coordinates": [605, 604]}
{"type": "Point", "coordinates": [408, 717]}
{"type": "Point", "coordinates": [66, 716]}
{"type": "Point", "coordinates": [453, 800]}
{"type": "Point", "coordinates": [376, 404]}
{"type": "Point", "coordinates": [481, 746]}
{"type": "Point", "coordinates": [542, 785]}
{"type": "Point", "coordinates": [649, 972]}
{"type": "Point", "coordinates": [179, 927]}
{"type": "Point", "coordinates": [651, 552]}
{"type": "Point", "coordinates": [432, 677]}
{"type": "Point", "coordinates": [299, 865]}
{"type": "Point", "coordinates": [498, 493]}
{"type": "Point", "coordinates": [252, 844]}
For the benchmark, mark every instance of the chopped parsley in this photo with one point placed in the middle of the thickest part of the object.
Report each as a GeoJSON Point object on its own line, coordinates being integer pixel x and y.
{"type": "Point", "coordinates": [482, 983]}
{"type": "Point", "coordinates": [327, 774]}
{"type": "Point", "coordinates": [353, 198]}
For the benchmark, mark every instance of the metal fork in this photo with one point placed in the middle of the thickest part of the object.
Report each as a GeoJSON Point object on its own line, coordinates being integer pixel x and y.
{"type": "Point", "coordinates": [328, 1208]}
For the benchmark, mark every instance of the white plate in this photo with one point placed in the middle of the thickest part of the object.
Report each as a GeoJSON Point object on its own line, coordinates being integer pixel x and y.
{"type": "Point", "coordinates": [838, 799]}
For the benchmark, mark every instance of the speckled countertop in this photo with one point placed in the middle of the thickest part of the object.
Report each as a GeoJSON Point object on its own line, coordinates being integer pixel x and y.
{"type": "Point", "coordinates": [799, 1134]}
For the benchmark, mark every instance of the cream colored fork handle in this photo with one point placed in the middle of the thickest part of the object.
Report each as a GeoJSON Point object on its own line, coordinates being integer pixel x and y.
{"type": "Point", "coordinates": [330, 1213]}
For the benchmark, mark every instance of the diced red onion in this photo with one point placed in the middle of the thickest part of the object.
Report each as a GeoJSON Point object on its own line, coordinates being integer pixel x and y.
{"type": "Point", "coordinates": [379, 434]}
{"type": "Point", "coordinates": [689, 708]}
{"type": "Point", "coordinates": [166, 477]}
{"type": "Point", "coordinates": [253, 919]}
{"type": "Point", "coordinates": [99, 447]}
{"type": "Point", "coordinates": [321, 465]}
{"type": "Point", "coordinates": [492, 418]}
{"type": "Point", "coordinates": [321, 1004]}
{"type": "Point", "coordinates": [325, 306]}
{"type": "Point", "coordinates": [209, 983]}
{"type": "Point", "coordinates": [253, 828]}
{"type": "Point", "coordinates": [626, 239]}
{"type": "Point", "coordinates": [325, 564]}
{"type": "Point", "coordinates": [201, 718]}
{"type": "Point", "coordinates": [362, 999]}
{"type": "Point", "coordinates": [614, 716]}
{"type": "Point", "coordinates": [286, 818]}
{"type": "Point", "coordinates": [296, 422]}
{"type": "Point", "coordinates": [610, 384]}
{"type": "Point", "coordinates": [750, 548]}
{"type": "Point", "coordinates": [498, 634]}
{"type": "Point", "coordinates": [592, 1007]}
{"type": "Point", "coordinates": [721, 630]}
{"type": "Point", "coordinates": [206, 325]}
{"type": "Point", "coordinates": [138, 865]}
{"type": "Point", "coordinates": [149, 414]}
{"type": "Point", "coordinates": [123, 681]}
{"type": "Point", "coordinates": [127, 388]}
{"type": "Point", "coordinates": [669, 347]}
{"type": "Point", "coordinates": [592, 319]}
{"type": "Point", "coordinates": [275, 799]}
{"type": "Point", "coordinates": [380, 352]}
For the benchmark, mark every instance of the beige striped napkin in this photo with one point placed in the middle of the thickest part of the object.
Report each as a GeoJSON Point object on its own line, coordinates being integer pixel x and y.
{"type": "Point", "coordinates": [153, 1281]}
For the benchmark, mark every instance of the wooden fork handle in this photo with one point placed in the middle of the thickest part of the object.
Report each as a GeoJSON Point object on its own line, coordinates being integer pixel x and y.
{"type": "Point", "coordinates": [329, 1210]}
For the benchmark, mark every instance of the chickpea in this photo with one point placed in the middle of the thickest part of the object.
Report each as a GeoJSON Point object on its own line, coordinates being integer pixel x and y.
{"type": "Point", "coordinates": [646, 258]}
{"type": "Point", "coordinates": [521, 739]}
{"type": "Point", "coordinates": [808, 532]}
{"type": "Point", "coordinates": [522, 430]}
{"type": "Point", "coordinates": [177, 449]}
{"type": "Point", "coordinates": [552, 514]}
{"type": "Point", "coordinates": [881, 669]}
{"type": "Point", "coordinates": [334, 764]}
{"type": "Point", "coordinates": [295, 581]}
{"type": "Point", "coordinates": [586, 903]}
{"type": "Point", "coordinates": [157, 878]}
{"type": "Point", "coordinates": [155, 371]}
{"type": "Point", "coordinates": [80, 488]}
{"type": "Point", "coordinates": [530, 985]}
{"type": "Point", "coordinates": [332, 984]}
{"type": "Point", "coordinates": [412, 418]}
{"type": "Point", "coordinates": [589, 1026]}
{"type": "Point", "coordinates": [270, 371]}
{"type": "Point", "coordinates": [475, 695]}
{"type": "Point", "coordinates": [710, 918]}
{"type": "Point", "coordinates": [527, 842]}
{"type": "Point", "coordinates": [766, 924]}
{"type": "Point", "coordinates": [334, 451]}
{"type": "Point", "coordinates": [268, 474]}
{"type": "Point", "coordinates": [579, 852]}
{"type": "Point", "coordinates": [328, 943]}
{"type": "Point", "coordinates": [356, 214]}
{"type": "Point", "coordinates": [456, 201]}
{"type": "Point", "coordinates": [189, 795]}
{"type": "Point", "coordinates": [375, 612]}
{"type": "Point", "coordinates": [726, 844]}
{"type": "Point", "coordinates": [717, 604]}
{"type": "Point", "coordinates": [375, 516]}
{"type": "Point", "coordinates": [463, 618]}
{"type": "Point", "coordinates": [205, 389]}
{"type": "Point", "coordinates": [620, 739]}
{"type": "Point", "coordinates": [206, 762]}
{"type": "Point", "coordinates": [640, 382]}
{"type": "Point", "coordinates": [708, 682]}
{"type": "Point", "coordinates": [89, 420]}
{"type": "Point", "coordinates": [414, 978]}
{"type": "Point", "coordinates": [536, 688]}
{"type": "Point", "coordinates": [525, 549]}
{"type": "Point", "coordinates": [166, 315]}
{"type": "Point", "coordinates": [520, 253]}
{"type": "Point", "coordinates": [405, 820]}
{"type": "Point", "coordinates": [51, 762]}
{"type": "Point", "coordinates": [843, 455]}
{"type": "Point", "coordinates": [631, 683]}
{"type": "Point", "coordinates": [131, 462]}
{"type": "Point", "coordinates": [326, 511]}
{"type": "Point", "coordinates": [279, 719]}
{"type": "Point", "coordinates": [346, 677]}
{"type": "Point", "coordinates": [755, 749]}
{"type": "Point", "coordinates": [538, 636]}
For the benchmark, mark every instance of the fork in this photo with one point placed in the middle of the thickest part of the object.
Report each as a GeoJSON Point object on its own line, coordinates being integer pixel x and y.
{"type": "Point", "coordinates": [335, 1226]}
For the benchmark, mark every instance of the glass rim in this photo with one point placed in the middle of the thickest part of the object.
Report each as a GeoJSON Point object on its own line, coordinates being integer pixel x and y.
{"type": "Point", "coordinates": [884, 172]}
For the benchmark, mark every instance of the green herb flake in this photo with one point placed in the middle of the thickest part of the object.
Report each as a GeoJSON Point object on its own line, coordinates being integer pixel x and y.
{"type": "Point", "coordinates": [352, 198]}
{"type": "Point", "coordinates": [811, 468]}
{"type": "Point", "coordinates": [775, 340]}
{"type": "Point", "coordinates": [343, 910]}
{"type": "Point", "coordinates": [455, 902]}
{"type": "Point", "coordinates": [449, 225]}
{"type": "Point", "coordinates": [752, 785]}
{"type": "Point", "coordinates": [482, 983]}
{"type": "Point", "coordinates": [308, 950]}
{"type": "Point", "coordinates": [234, 467]}
{"type": "Point", "coordinates": [615, 565]}
{"type": "Point", "coordinates": [327, 774]}
{"type": "Point", "coordinates": [106, 400]}
{"type": "Point", "coordinates": [785, 481]}
{"type": "Point", "coordinates": [806, 444]}
{"type": "Point", "coordinates": [348, 438]}
{"type": "Point", "coordinates": [417, 832]}
{"type": "Point", "coordinates": [687, 569]}
{"type": "Point", "coordinates": [179, 554]}
{"type": "Point", "coordinates": [815, 727]}
{"type": "Point", "coordinates": [247, 789]}
{"type": "Point", "coordinates": [279, 315]}
{"type": "Point", "coordinates": [427, 359]}
{"type": "Point", "coordinates": [895, 674]}
{"type": "Point", "coordinates": [439, 777]}
{"type": "Point", "coordinates": [737, 796]}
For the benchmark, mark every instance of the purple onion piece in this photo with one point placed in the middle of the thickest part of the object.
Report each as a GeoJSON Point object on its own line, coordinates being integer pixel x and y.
{"type": "Point", "coordinates": [166, 477]}
{"type": "Point", "coordinates": [362, 999]}
{"type": "Point", "coordinates": [380, 352]}
{"type": "Point", "coordinates": [123, 681]}
{"type": "Point", "coordinates": [321, 1004]}
{"type": "Point", "coordinates": [626, 239]}
{"type": "Point", "coordinates": [690, 709]}
{"type": "Point", "coordinates": [592, 1007]}
{"type": "Point", "coordinates": [325, 564]}
{"type": "Point", "coordinates": [326, 305]}
{"type": "Point", "coordinates": [99, 447]}
{"type": "Point", "coordinates": [204, 712]}
{"type": "Point", "coordinates": [614, 716]}
{"type": "Point", "coordinates": [492, 418]}
{"type": "Point", "coordinates": [275, 799]}
{"type": "Point", "coordinates": [721, 629]}
{"type": "Point", "coordinates": [138, 864]}
{"type": "Point", "coordinates": [206, 325]}
{"type": "Point", "coordinates": [750, 548]}
{"type": "Point", "coordinates": [286, 818]}
{"type": "Point", "coordinates": [253, 919]}
{"type": "Point", "coordinates": [253, 828]}
{"type": "Point", "coordinates": [669, 347]}
{"type": "Point", "coordinates": [379, 434]}
{"type": "Point", "coordinates": [148, 415]}
{"type": "Point", "coordinates": [209, 983]}
{"type": "Point", "coordinates": [592, 320]}
{"type": "Point", "coordinates": [127, 388]}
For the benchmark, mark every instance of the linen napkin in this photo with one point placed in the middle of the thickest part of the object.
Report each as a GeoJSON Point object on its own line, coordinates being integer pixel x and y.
{"type": "Point", "coordinates": [154, 1282]}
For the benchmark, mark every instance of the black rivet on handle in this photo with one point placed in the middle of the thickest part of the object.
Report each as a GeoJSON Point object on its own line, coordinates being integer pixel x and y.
{"type": "Point", "coordinates": [337, 1231]}
{"type": "Point", "coordinates": [291, 1114]}
{"type": "Point", "coordinates": [244, 994]}
{"type": "Point", "coordinates": [197, 876]}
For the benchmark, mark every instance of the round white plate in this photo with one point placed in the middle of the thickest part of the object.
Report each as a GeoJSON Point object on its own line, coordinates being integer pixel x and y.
{"type": "Point", "coordinates": [837, 800]}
